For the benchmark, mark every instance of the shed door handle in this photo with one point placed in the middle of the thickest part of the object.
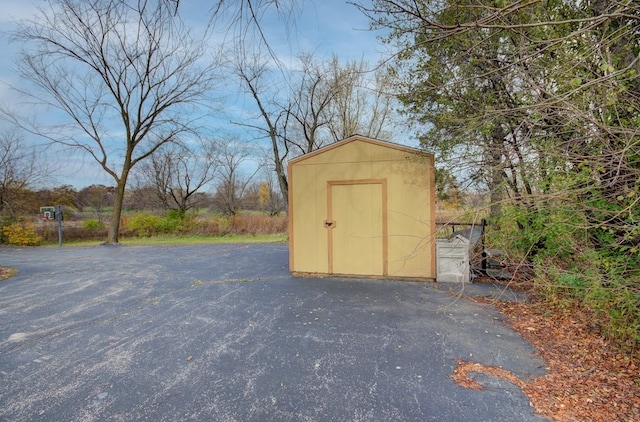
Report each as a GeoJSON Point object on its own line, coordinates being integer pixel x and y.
{"type": "Point", "coordinates": [329, 223]}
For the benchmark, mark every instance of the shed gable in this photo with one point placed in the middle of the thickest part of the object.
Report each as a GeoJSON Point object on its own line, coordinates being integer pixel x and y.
{"type": "Point", "coordinates": [357, 149]}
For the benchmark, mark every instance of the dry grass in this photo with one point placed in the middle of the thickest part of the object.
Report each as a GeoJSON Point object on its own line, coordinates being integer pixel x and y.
{"type": "Point", "coordinates": [199, 226]}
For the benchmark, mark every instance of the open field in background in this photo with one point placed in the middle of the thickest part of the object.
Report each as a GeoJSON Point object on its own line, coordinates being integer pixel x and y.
{"type": "Point", "coordinates": [154, 228]}
{"type": "Point", "coordinates": [199, 226]}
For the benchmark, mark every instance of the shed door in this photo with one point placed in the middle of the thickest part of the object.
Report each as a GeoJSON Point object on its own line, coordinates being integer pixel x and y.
{"type": "Point", "coordinates": [357, 229]}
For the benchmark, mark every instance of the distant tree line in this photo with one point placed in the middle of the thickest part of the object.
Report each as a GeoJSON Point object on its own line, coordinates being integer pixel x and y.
{"type": "Point", "coordinates": [96, 201]}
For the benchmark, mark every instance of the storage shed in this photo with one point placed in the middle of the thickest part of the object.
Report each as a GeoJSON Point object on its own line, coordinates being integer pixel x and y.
{"type": "Point", "coordinates": [363, 207]}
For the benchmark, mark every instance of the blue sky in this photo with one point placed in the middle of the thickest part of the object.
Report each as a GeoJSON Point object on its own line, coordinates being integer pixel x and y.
{"type": "Point", "coordinates": [324, 27]}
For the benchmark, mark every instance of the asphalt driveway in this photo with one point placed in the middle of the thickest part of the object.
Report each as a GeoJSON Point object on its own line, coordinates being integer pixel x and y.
{"type": "Point", "coordinates": [222, 332]}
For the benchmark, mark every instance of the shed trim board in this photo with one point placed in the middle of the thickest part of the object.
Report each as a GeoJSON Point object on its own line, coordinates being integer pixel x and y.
{"type": "Point", "coordinates": [352, 138]}
{"type": "Point", "coordinates": [393, 185]}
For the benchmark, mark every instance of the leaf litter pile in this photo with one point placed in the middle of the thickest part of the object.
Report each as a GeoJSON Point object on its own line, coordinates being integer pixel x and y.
{"type": "Point", "coordinates": [587, 378]}
{"type": "Point", "coordinates": [6, 272]}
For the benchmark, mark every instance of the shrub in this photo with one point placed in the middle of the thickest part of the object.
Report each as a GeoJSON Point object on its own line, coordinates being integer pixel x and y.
{"type": "Point", "coordinates": [148, 224]}
{"type": "Point", "coordinates": [604, 286]}
{"type": "Point", "coordinates": [578, 264]}
{"type": "Point", "coordinates": [257, 224]}
{"type": "Point", "coordinates": [82, 233]}
{"type": "Point", "coordinates": [21, 233]}
{"type": "Point", "coordinates": [93, 224]}
{"type": "Point", "coordinates": [189, 224]}
{"type": "Point", "coordinates": [145, 224]}
{"type": "Point", "coordinates": [213, 226]}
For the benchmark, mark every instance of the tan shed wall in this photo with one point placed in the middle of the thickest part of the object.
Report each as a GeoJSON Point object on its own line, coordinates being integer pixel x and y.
{"type": "Point", "coordinates": [410, 215]}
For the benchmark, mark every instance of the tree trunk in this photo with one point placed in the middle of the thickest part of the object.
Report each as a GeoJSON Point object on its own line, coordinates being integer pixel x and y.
{"type": "Point", "coordinates": [283, 183]}
{"type": "Point", "coordinates": [496, 171]}
{"type": "Point", "coordinates": [114, 224]}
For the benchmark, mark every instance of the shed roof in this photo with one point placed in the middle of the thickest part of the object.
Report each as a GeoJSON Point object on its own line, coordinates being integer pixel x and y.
{"type": "Point", "coordinates": [360, 138]}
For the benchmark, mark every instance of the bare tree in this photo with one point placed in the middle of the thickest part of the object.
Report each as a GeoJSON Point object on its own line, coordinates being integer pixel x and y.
{"type": "Point", "coordinates": [254, 72]}
{"type": "Point", "coordinates": [126, 74]}
{"type": "Point", "coordinates": [141, 197]}
{"type": "Point", "coordinates": [98, 198]}
{"type": "Point", "coordinates": [313, 92]}
{"type": "Point", "coordinates": [317, 104]}
{"type": "Point", "coordinates": [20, 168]}
{"type": "Point", "coordinates": [232, 183]}
{"type": "Point", "coordinates": [178, 173]}
{"type": "Point", "coordinates": [269, 198]}
{"type": "Point", "coordinates": [244, 19]}
{"type": "Point", "coordinates": [362, 102]}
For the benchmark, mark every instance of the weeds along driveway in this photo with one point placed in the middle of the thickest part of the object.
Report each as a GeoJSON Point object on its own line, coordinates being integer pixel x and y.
{"type": "Point", "coordinates": [222, 332]}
